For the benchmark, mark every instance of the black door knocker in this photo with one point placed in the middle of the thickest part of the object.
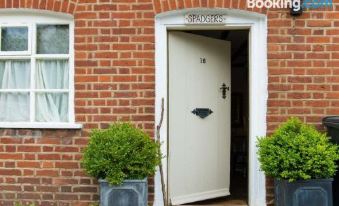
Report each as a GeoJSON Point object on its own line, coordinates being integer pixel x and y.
{"type": "Point", "coordinates": [224, 90]}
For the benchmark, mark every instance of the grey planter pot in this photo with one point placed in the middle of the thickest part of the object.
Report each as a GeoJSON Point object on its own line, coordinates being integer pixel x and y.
{"type": "Point", "coordinates": [315, 192]}
{"type": "Point", "coordinates": [130, 193]}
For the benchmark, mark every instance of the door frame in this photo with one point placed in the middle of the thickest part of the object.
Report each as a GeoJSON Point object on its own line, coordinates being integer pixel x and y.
{"type": "Point", "coordinates": [258, 93]}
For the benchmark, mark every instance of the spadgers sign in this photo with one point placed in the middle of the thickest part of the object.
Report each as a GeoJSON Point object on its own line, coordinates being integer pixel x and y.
{"type": "Point", "coordinates": [296, 5]}
{"type": "Point", "coordinates": [205, 19]}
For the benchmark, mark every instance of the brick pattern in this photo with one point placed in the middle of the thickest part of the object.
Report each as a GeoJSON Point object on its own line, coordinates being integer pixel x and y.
{"type": "Point", "coordinates": [65, 6]}
{"type": "Point", "coordinates": [43, 167]}
{"type": "Point", "coordinates": [114, 80]}
{"type": "Point", "coordinates": [303, 66]}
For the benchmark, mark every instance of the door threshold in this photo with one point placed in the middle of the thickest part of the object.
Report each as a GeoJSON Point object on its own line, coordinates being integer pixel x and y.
{"type": "Point", "coordinates": [219, 203]}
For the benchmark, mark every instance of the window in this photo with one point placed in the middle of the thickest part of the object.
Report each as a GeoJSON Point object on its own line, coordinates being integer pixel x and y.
{"type": "Point", "coordinates": [36, 72]}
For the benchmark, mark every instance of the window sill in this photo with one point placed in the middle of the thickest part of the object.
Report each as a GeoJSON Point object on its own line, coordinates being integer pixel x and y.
{"type": "Point", "coordinates": [39, 125]}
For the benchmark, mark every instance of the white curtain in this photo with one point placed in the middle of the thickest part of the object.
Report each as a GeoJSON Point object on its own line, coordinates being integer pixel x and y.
{"type": "Point", "coordinates": [14, 106]}
{"type": "Point", "coordinates": [52, 107]}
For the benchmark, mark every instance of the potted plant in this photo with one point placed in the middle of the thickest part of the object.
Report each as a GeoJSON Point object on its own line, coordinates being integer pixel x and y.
{"type": "Point", "coordinates": [121, 157]}
{"type": "Point", "coordinates": [302, 161]}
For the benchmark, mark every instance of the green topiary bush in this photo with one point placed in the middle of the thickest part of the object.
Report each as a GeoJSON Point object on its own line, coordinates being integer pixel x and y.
{"type": "Point", "coordinates": [296, 151]}
{"type": "Point", "coordinates": [121, 152]}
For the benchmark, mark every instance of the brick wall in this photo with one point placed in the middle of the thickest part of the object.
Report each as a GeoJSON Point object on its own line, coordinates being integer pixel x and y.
{"type": "Point", "coordinates": [43, 167]}
{"type": "Point", "coordinates": [114, 79]}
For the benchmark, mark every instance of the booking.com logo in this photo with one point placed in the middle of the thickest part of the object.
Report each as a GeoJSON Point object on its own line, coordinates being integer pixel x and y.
{"type": "Point", "coordinates": [296, 5]}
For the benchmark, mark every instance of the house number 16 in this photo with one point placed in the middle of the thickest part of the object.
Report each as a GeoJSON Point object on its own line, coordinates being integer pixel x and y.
{"type": "Point", "coordinates": [203, 60]}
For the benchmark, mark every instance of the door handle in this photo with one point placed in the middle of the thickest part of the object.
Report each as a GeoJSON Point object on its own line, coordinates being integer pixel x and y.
{"type": "Point", "coordinates": [224, 90]}
{"type": "Point", "coordinates": [202, 112]}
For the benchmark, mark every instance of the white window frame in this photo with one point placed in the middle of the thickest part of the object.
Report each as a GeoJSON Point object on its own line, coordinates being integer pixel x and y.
{"type": "Point", "coordinates": [32, 18]}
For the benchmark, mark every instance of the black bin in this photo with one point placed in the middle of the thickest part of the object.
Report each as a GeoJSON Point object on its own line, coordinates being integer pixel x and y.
{"type": "Point", "coordinates": [332, 125]}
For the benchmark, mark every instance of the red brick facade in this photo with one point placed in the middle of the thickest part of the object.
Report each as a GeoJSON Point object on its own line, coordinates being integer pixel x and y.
{"type": "Point", "coordinates": [115, 79]}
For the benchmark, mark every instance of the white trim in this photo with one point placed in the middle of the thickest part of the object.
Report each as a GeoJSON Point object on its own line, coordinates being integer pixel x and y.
{"type": "Point", "coordinates": [40, 125]}
{"type": "Point", "coordinates": [32, 18]}
{"type": "Point", "coordinates": [35, 90]}
{"type": "Point", "coordinates": [51, 56]}
{"type": "Point", "coordinates": [71, 97]}
{"type": "Point", "coordinates": [200, 196]}
{"type": "Point", "coordinates": [17, 57]}
{"type": "Point", "coordinates": [38, 56]}
{"type": "Point", "coordinates": [18, 14]}
{"type": "Point", "coordinates": [235, 19]}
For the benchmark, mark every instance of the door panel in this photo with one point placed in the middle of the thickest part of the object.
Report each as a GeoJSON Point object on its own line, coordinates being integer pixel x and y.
{"type": "Point", "coordinates": [199, 148]}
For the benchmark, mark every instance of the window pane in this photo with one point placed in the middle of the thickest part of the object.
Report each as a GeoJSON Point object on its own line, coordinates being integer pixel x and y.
{"type": "Point", "coordinates": [52, 39]}
{"type": "Point", "coordinates": [14, 107]}
{"type": "Point", "coordinates": [51, 107]}
{"type": "Point", "coordinates": [14, 74]}
{"type": "Point", "coordinates": [52, 74]}
{"type": "Point", "coordinates": [14, 39]}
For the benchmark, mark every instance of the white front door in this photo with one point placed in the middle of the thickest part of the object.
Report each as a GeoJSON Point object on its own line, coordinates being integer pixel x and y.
{"type": "Point", "coordinates": [199, 147]}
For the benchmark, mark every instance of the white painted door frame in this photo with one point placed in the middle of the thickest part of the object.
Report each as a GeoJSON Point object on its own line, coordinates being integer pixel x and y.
{"type": "Point", "coordinates": [235, 19]}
